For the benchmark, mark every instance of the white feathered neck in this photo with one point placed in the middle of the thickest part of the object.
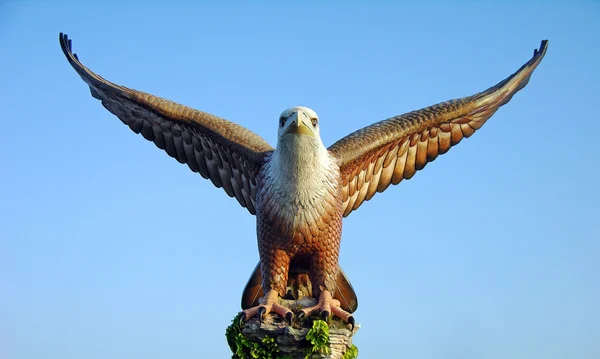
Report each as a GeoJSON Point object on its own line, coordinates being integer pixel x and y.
{"type": "Point", "coordinates": [301, 166]}
{"type": "Point", "coordinates": [299, 187]}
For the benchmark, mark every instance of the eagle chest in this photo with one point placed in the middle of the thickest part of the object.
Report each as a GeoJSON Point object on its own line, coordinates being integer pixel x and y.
{"type": "Point", "coordinates": [299, 213]}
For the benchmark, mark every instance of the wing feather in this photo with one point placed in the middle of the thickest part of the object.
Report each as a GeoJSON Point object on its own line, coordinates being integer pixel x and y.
{"type": "Point", "coordinates": [402, 145]}
{"type": "Point", "coordinates": [224, 152]}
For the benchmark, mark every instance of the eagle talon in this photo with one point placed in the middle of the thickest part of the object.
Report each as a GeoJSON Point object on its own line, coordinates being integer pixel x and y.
{"type": "Point", "coordinates": [269, 304]}
{"type": "Point", "coordinates": [327, 306]}
{"type": "Point", "coordinates": [241, 318]}
{"type": "Point", "coordinates": [261, 312]}
{"type": "Point", "coordinates": [351, 322]}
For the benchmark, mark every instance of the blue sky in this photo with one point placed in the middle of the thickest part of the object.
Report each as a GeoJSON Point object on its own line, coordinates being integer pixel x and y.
{"type": "Point", "coordinates": [111, 249]}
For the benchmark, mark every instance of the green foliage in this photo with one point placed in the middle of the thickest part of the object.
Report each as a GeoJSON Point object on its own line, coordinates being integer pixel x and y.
{"type": "Point", "coordinates": [231, 333]}
{"type": "Point", "coordinates": [318, 336]}
{"type": "Point", "coordinates": [243, 348]}
{"type": "Point", "coordinates": [351, 353]}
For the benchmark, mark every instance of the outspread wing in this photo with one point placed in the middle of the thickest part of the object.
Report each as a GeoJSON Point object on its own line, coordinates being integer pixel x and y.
{"type": "Point", "coordinates": [224, 152]}
{"type": "Point", "coordinates": [394, 149]}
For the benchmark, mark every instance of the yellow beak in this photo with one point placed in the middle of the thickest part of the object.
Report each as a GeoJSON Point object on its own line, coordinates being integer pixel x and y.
{"type": "Point", "coordinates": [300, 125]}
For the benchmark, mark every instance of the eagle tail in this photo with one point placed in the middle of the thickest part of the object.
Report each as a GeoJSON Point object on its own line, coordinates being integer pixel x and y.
{"type": "Point", "coordinates": [253, 289]}
{"type": "Point", "coordinates": [344, 292]}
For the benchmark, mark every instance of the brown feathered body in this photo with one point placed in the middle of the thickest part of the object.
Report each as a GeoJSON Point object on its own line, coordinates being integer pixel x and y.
{"type": "Point", "coordinates": [299, 214]}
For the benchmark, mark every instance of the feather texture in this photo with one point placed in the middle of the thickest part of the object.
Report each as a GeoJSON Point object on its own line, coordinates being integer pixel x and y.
{"type": "Point", "coordinates": [222, 151]}
{"type": "Point", "coordinates": [408, 142]}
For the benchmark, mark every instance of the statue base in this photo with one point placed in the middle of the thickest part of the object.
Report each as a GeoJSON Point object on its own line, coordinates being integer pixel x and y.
{"type": "Point", "coordinates": [275, 338]}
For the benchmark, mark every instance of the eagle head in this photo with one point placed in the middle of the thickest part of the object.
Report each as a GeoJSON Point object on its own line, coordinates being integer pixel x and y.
{"type": "Point", "coordinates": [298, 122]}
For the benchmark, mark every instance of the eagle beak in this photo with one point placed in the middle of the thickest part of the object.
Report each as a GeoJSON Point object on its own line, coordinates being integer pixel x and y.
{"type": "Point", "coordinates": [299, 124]}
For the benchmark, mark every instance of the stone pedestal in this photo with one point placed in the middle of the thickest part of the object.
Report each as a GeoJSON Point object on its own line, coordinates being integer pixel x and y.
{"type": "Point", "coordinates": [274, 338]}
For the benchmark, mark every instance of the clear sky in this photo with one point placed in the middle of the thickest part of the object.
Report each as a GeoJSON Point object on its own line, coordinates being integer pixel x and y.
{"type": "Point", "coordinates": [111, 249]}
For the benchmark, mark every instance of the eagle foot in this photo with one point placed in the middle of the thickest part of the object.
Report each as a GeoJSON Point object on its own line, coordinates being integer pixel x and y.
{"type": "Point", "coordinates": [269, 303]}
{"type": "Point", "coordinates": [325, 307]}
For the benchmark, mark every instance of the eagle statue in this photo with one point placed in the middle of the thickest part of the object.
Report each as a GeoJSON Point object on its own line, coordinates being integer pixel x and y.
{"type": "Point", "coordinates": [301, 190]}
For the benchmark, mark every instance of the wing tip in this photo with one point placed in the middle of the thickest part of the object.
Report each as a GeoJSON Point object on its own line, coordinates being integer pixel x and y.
{"type": "Point", "coordinates": [94, 81]}
{"type": "Point", "coordinates": [66, 45]}
{"type": "Point", "coordinates": [538, 55]}
{"type": "Point", "coordinates": [520, 78]}
{"type": "Point", "coordinates": [542, 50]}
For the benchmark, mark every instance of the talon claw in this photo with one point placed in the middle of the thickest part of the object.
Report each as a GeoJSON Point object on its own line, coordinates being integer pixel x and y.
{"type": "Point", "coordinates": [351, 322]}
{"type": "Point", "coordinates": [289, 316]}
{"type": "Point", "coordinates": [241, 318]}
{"type": "Point", "coordinates": [324, 315]}
{"type": "Point", "coordinates": [301, 315]}
{"type": "Point", "coordinates": [261, 312]}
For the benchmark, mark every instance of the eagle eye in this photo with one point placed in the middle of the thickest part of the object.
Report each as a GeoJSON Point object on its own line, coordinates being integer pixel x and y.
{"type": "Point", "coordinates": [281, 121]}
{"type": "Point", "coordinates": [314, 122]}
